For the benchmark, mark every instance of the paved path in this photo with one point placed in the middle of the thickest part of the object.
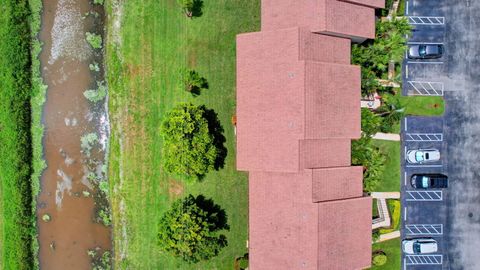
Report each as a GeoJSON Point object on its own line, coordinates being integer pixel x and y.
{"type": "Point", "coordinates": [385, 195]}
{"type": "Point", "coordinates": [389, 236]}
{"type": "Point", "coordinates": [387, 136]}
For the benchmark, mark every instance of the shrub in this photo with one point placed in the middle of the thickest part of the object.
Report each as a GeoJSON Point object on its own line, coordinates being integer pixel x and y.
{"type": "Point", "coordinates": [191, 8]}
{"type": "Point", "coordinates": [96, 95]}
{"type": "Point", "coordinates": [87, 141]}
{"type": "Point", "coordinates": [371, 122]}
{"type": "Point", "coordinates": [94, 67]}
{"type": "Point", "coordinates": [375, 235]}
{"type": "Point", "coordinates": [364, 153]}
{"type": "Point", "coordinates": [94, 40]}
{"type": "Point", "coordinates": [189, 229]}
{"type": "Point", "coordinates": [189, 149]}
{"type": "Point", "coordinates": [193, 82]}
{"type": "Point", "coordinates": [379, 259]}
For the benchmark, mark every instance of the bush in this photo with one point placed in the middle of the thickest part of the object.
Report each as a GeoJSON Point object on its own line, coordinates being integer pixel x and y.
{"type": "Point", "coordinates": [371, 122]}
{"type": "Point", "coordinates": [375, 235]}
{"type": "Point", "coordinates": [94, 40]}
{"type": "Point", "coordinates": [191, 8]}
{"type": "Point", "coordinates": [379, 259]}
{"type": "Point", "coordinates": [364, 153]}
{"type": "Point", "coordinates": [98, 2]}
{"type": "Point", "coordinates": [189, 150]}
{"type": "Point", "coordinates": [96, 95]}
{"type": "Point", "coordinates": [189, 229]}
{"type": "Point", "coordinates": [193, 82]}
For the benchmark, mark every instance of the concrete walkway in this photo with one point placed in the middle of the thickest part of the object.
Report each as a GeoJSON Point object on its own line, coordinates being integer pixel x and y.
{"type": "Point", "coordinates": [388, 236]}
{"type": "Point", "coordinates": [387, 136]}
{"type": "Point", "coordinates": [385, 195]}
{"type": "Point", "coordinates": [383, 219]}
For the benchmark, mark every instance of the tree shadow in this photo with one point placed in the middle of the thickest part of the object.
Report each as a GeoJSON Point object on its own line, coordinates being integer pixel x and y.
{"type": "Point", "coordinates": [197, 8]}
{"type": "Point", "coordinates": [216, 216]}
{"type": "Point", "coordinates": [216, 129]}
{"type": "Point", "coordinates": [196, 90]}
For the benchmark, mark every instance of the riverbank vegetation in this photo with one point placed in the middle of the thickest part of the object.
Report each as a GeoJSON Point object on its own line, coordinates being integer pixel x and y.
{"type": "Point", "coordinates": [21, 86]}
{"type": "Point", "coordinates": [147, 46]}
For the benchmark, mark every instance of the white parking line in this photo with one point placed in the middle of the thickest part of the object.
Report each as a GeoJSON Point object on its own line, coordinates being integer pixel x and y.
{"type": "Point", "coordinates": [406, 71]}
{"type": "Point", "coordinates": [405, 181]}
{"type": "Point", "coordinates": [405, 213]}
{"type": "Point", "coordinates": [421, 42]}
{"type": "Point", "coordinates": [424, 166]}
{"type": "Point", "coordinates": [405, 260]}
{"type": "Point", "coordinates": [424, 62]}
{"type": "Point", "coordinates": [406, 9]}
{"type": "Point", "coordinates": [406, 124]}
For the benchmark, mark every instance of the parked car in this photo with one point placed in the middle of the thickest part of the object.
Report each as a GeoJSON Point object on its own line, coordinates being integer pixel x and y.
{"type": "Point", "coordinates": [423, 155]}
{"type": "Point", "coordinates": [425, 51]}
{"type": "Point", "coordinates": [429, 181]}
{"type": "Point", "coordinates": [419, 246]}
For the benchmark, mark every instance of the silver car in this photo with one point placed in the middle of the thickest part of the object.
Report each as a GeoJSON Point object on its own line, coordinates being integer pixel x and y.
{"type": "Point", "coordinates": [423, 156]}
{"type": "Point", "coordinates": [425, 51]}
{"type": "Point", "coordinates": [419, 246]}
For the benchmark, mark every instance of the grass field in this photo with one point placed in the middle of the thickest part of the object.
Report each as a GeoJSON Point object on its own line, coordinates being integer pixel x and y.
{"type": "Point", "coordinates": [144, 56]}
{"type": "Point", "coordinates": [392, 250]}
{"type": "Point", "coordinates": [391, 175]}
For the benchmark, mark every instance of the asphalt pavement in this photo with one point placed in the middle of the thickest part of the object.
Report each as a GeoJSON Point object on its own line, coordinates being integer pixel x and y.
{"type": "Point", "coordinates": [452, 215]}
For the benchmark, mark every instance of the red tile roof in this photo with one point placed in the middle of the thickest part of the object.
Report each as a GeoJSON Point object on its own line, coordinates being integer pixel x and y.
{"type": "Point", "coordinates": [352, 18]}
{"type": "Point", "coordinates": [298, 107]}
{"type": "Point", "coordinates": [283, 98]}
{"type": "Point", "coordinates": [288, 231]}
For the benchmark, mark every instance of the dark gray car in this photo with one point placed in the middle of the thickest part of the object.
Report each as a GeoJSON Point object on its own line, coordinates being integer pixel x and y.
{"type": "Point", "coordinates": [429, 181]}
{"type": "Point", "coordinates": [425, 51]}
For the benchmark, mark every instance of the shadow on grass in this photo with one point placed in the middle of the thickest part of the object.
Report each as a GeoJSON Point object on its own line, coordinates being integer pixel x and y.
{"type": "Point", "coordinates": [216, 216]}
{"type": "Point", "coordinates": [216, 129]}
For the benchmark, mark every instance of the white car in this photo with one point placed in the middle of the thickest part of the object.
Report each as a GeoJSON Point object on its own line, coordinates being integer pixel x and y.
{"type": "Point", "coordinates": [423, 155]}
{"type": "Point", "coordinates": [419, 246]}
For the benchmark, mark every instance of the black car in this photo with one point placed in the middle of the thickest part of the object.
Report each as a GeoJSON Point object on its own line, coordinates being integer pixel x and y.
{"type": "Point", "coordinates": [425, 51]}
{"type": "Point", "coordinates": [429, 181]}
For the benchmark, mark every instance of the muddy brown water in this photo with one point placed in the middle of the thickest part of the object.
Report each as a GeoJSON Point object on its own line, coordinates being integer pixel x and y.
{"type": "Point", "coordinates": [65, 58]}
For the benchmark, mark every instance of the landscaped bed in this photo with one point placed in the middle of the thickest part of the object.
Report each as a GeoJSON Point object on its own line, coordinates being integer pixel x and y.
{"type": "Point", "coordinates": [145, 58]}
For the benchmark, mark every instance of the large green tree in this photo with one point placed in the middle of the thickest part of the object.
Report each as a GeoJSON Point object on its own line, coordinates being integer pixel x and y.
{"type": "Point", "coordinates": [189, 147]}
{"type": "Point", "coordinates": [190, 229]}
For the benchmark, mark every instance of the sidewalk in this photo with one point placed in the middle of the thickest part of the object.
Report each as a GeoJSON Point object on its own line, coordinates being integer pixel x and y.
{"type": "Point", "coordinates": [387, 136]}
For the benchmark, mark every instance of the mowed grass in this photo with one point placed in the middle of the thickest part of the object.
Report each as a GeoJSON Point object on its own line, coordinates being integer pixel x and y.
{"type": "Point", "coordinates": [144, 57]}
{"type": "Point", "coordinates": [392, 250]}
{"type": "Point", "coordinates": [391, 175]}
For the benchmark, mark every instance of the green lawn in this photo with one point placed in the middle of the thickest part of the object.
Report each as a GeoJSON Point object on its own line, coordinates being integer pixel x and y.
{"type": "Point", "coordinates": [144, 56]}
{"type": "Point", "coordinates": [391, 175]}
{"type": "Point", "coordinates": [392, 250]}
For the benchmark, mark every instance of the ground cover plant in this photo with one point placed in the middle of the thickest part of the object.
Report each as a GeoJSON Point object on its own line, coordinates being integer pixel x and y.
{"type": "Point", "coordinates": [17, 230]}
{"type": "Point", "coordinates": [391, 249]}
{"type": "Point", "coordinates": [144, 57]}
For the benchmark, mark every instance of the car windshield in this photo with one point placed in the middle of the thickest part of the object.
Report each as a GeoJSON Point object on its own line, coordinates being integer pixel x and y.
{"type": "Point", "coordinates": [416, 247]}
{"type": "Point", "coordinates": [425, 182]}
{"type": "Point", "coordinates": [426, 156]}
{"type": "Point", "coordinates": [419, 156]}
{"type": "Point", "coordinates": [422, 50]}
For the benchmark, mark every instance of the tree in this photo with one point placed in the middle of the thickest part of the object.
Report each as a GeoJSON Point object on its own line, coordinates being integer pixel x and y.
{"type": "Point", "coordinates": [370, 84]}
{"type": "Point", "coordinates": [192, 8]}
{"type": "Point", "coordinates": [391, 111]}
{"type": "Point", "coordinates": [371, 122]}
{"type": "Point", "coordinates": [189, 230]}
{"type": "Point", "coordinates": [193, 82]}
{"type": "Point", "coordinates": [189, 147]}
{"type": "Point", "coordinates": [364, 153]}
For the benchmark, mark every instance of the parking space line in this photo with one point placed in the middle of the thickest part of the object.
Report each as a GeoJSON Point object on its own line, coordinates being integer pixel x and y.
{"type": "Point", "coordinates": [405, 179]}
{"type": "Point", "coordinates": [406, 124]}
{"type": "Point", "coordinates": [425, 88]}
{"type": "Point", "coordinates": [425, 166]}
{"type": "Point", "coordinates": [423, 137]}
{"type": "Point", "coordinates": [406, 71]}
{"type": "Point", "coordinates": [425, 62]}
{"type": "Point", "coordinates": [405, 213]}
{"type": "Point", "coordinates": [424, 229]}
{"type": "Point", "coordinates": [406, 9]}
{"type": "Point", "coordinates": [424, 195]}
{"type": "Point", "coordinates": [426, 20]}
{"type": "Point", "coordinates": [420, 43]}
{"type": "Point", "coordinates": [435, 259]}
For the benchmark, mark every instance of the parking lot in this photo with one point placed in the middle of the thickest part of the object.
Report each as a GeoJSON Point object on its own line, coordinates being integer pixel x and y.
{"type": "Point", "coordinates": [451, 216]}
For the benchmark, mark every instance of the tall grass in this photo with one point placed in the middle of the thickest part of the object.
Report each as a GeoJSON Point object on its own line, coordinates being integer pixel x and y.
{"type": "Point", "coordinates": [21, 87]}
